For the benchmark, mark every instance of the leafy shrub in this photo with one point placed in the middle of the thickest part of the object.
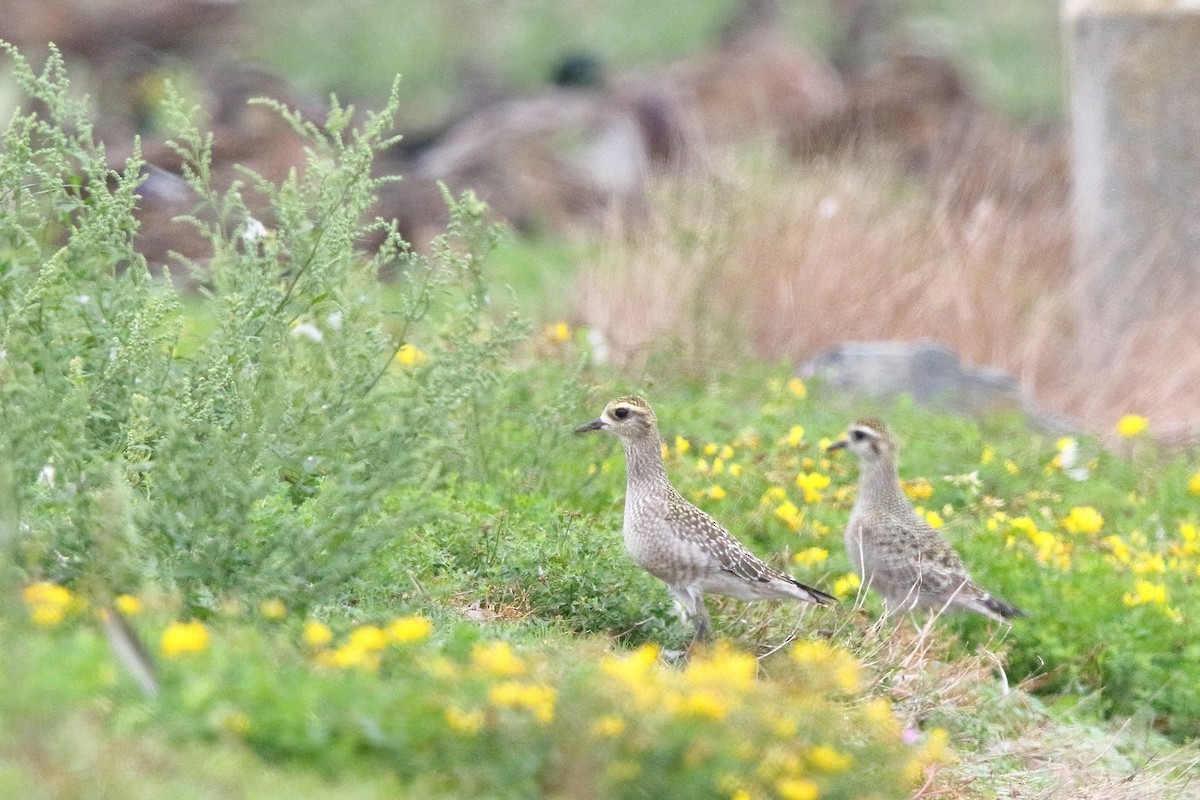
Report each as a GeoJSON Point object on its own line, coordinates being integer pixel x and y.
{"type": "Point", "coordinates": [242, 461]}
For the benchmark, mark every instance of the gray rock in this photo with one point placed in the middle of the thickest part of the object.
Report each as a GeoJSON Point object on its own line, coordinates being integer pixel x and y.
{"type": "Point", "coordinates": [930, 373]}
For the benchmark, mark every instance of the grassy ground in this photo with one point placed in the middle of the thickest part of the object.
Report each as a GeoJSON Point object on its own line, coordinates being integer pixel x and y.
{"type": "Point", "coordinates": [526, 551]}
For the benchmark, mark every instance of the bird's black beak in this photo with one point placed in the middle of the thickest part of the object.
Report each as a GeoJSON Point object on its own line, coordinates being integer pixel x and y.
{"type": "Point", "coordinates": [840, 444]}
{"type": "Point", "coordinates": [595, 425]}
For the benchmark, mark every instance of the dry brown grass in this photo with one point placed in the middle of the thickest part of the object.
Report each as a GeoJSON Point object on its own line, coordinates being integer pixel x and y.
{"type": "Point", "coordinates": [761, 256]}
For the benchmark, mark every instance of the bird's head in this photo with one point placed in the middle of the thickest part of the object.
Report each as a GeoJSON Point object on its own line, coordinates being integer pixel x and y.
{"type": "Point", "coordinates": [869, 439]}
{"type": "Point", "coordinates": [629, 417]}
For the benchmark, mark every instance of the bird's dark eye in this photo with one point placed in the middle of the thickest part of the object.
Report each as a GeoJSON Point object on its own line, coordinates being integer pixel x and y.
{"type": "Point", "coordinates": [858, 436]}
{"type": "Point", "coordinates": [621, 413]}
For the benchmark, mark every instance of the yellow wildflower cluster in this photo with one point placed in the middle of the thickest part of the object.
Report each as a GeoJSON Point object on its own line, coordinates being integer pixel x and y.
{"type": "Point", "coordinates": [464, 722]}
{"type": "Point", "coordinates": [812, 484]}
{"type": "Point", "coordinates": [49, 604]}
{"type": "Point", "coordinates": [496, 659]}
{"type": "Point", "coordinates": [538, 699]}
{"type": "Point", "coordinates": [273, 610]}
{"type": "Point", "coordinates": [1151, 563]}
{"type": "Point", "coordinates": [789, 514]}
{"type": "Point", "coordinates": [364, 646]}
{"type": "Point", "coordinates": [1083, 519]}
{"type": "Point", "coordinates": [935, 750]}
{"type": "Point", "coordinates": [918, 489]}
{"type": "Point", "coordinates": [810, 556]}
{"type": "Point", "coordinates": [824, 662]}
{"type": "Point", "coordinates": [128, 605]}
{"type": "Point", "coordinates": [1147, 592]}
{"type": "Point", "coordinates": [846, 585]}
{"type": "Point", "coordinates": [184, 638]}
{"type": "Point", "coordinates": [932, 517]}
{"type": "Point", "coordinates": [1050, 550]}
{"type": "Point", "coordinates": [711, 686]}
{"type": "Point", "coordinates": [406, 630]}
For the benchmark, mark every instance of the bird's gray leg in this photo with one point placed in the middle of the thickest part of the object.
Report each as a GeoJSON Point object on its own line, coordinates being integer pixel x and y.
{"type": "Point", "coordinates": [693, 605]}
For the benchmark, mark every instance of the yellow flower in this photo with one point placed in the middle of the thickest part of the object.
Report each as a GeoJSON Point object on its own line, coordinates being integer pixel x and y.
{"type": "Point", "coordinates": [537, 699]}
{"type": "Point", "coordinates": [316, 634]}
{"type": "Point", "coordinates": [703, 703]}
{"type": "Point", "coordinates": [918, 489]}
{"type": "Point", "coordinates": [726, 452]}
{"type": "Point", "coordinates": [826, 759]}
{"type": "Point", "coordinates": [410, 356]}
{"type": "Point", "coordinates": [48, 603]}
{"type": "Point", "coordinates": [932, 517]}
{"type": "Point", "coordinates": [1132, 425]}
{"type": "Point", "coordinates": [773, 495]}
{"type": "Point", "coordinates": [465, 722]}
{"type": "Point", "coordinates": [795, 435]}
{"type": "Point", "coordinates": [558, 332]}
{"type": "Point", "coordinates": [1120, 550]}
{"type": "Point", "coordinates": [273, 609]}
{"type": "Point", "coordinates": [797, 789]}
{"type": "Point", "coordinates": [723, 668]}
{"type": "Point", "coordinates": [128, 605]}
{"type": "Point", "coordinates": [1149, 563]}
{"type": "Point", "coordinates": [735, 470]}
{"type": "Point", "coordinates": [368, 638]}
{"type": "Point", "coordinates": [791, 516]}
{"type": "Point", "coordinates": [609, 726]}
{"type": "Point", "coordinates": [682, 445]}
{"type": "Point", "coordinates": [797, 387]}
{"type": "Point", "coordinates": [933, 751]}
{"type": "Point", "coordinates": [404, 630]}
{"type": "Point", "coordinates": [1083, 519]}
{"type": "Point", "coordinates": [1194, 484]}
{"type": "Point", "coordinates": [846, 585]}
{"type": "Point", "coordinates": [496, 658]}
{"type": "Point", "coordinates": [182, 638]}
{"type": "Point", "coordinates": [714, 492]}
{"type": "Point", "coordinates": [810, 556]}
{"type": "Point", "coordinates": [811, 483]}
{"type": "Point", "coordinates": [1011, 467]}
{"type": "Point", "coordinates": [740, 794]}
{"type": "Point", "coordinates": [987, 455]}
{"type": "Point", "coordinates": [1147, 592]}
{"type": "Point", "coordinates": [354, 655]}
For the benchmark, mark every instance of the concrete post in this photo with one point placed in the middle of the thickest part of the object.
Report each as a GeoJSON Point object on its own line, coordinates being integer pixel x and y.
{"type": "Point", "coordinates": [1135, 111]}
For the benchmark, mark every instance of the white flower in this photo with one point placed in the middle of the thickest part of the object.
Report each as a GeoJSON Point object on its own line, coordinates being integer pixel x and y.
{"type": "Point", "coordinates": [308, 331]}
{"type": "Point", "coordinates": [255, 230]}
{"type": "Point", "coordinates": [46, 476]}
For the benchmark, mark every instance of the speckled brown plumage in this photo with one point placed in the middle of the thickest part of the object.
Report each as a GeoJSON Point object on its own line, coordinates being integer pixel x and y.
{"type": "Point", "coordinates": [893, 549]}
{"type": "Point", "coordinates": [675, 541]}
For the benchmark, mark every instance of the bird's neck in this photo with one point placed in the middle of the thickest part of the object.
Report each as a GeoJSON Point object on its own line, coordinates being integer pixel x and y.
{"type": "Point", "coordinates": [880, 483]}
{"type": "Point", "coordinates": [644, 461]}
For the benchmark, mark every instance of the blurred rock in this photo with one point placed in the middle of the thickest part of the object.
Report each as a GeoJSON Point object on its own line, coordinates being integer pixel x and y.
{"type": "Point", "coordinates": [927, 371]}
